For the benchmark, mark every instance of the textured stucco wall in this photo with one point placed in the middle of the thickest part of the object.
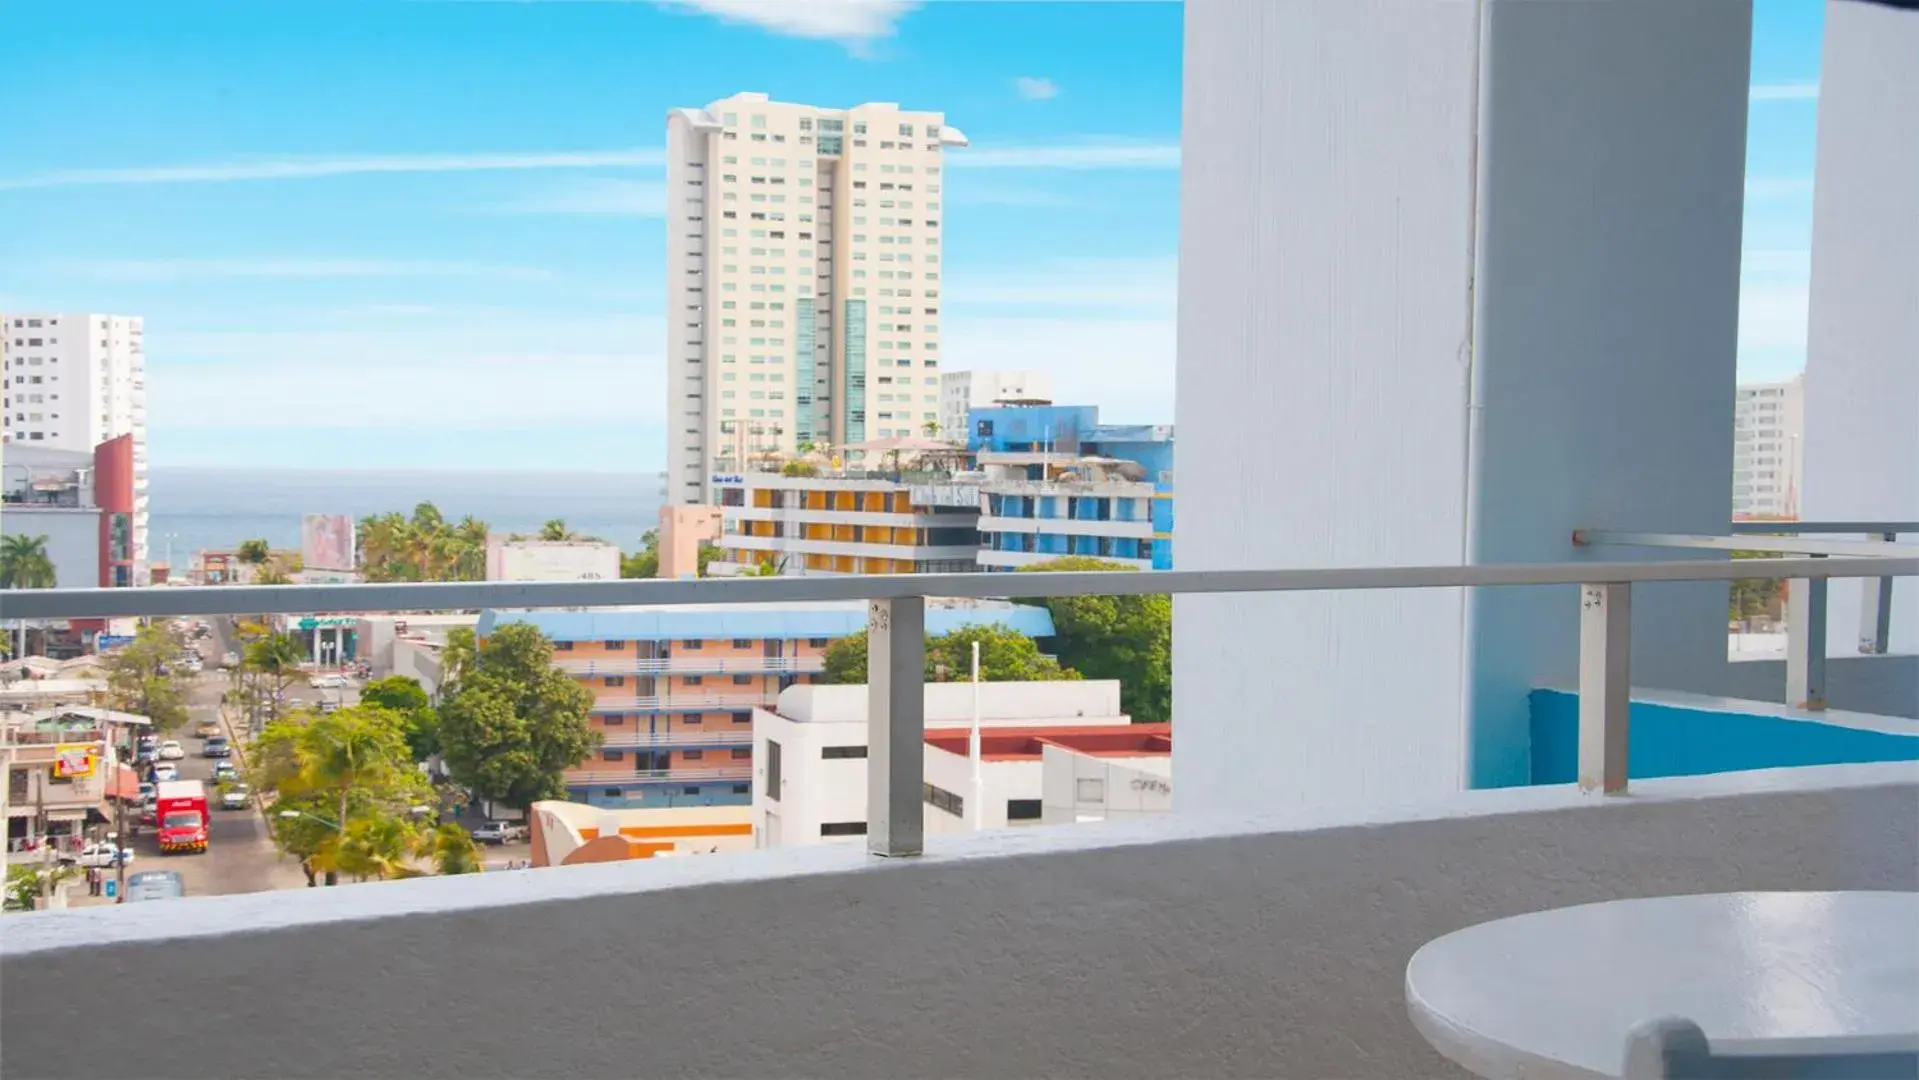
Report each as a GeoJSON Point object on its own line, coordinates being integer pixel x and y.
{"type": "Point", "coordinates": [1055, 952]}
{"type": "Point", "coordinates": [1882, 685]}
{"type": "Point", "coordinates": [1862, 336]}
{"type": "Point", "coordinates": [1455, 280]}
{"type": "Point", "coordinates": [1324, 313]}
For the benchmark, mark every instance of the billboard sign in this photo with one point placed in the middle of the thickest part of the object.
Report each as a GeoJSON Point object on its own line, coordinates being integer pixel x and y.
{"type": "Point", "coordinates": [104, 642]}
{"type": "Point", "coordinates": [326, 542]}
{"type": "Point", "coordinates": [74, 762]}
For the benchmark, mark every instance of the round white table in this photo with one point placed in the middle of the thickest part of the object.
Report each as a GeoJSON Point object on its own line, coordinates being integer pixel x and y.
{"type": "Point", "coordinates": [1557, 993]}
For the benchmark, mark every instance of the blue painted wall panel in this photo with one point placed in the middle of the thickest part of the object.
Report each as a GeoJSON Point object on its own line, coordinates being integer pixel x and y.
{"type": "Point", "coordinates": [1669, 740]}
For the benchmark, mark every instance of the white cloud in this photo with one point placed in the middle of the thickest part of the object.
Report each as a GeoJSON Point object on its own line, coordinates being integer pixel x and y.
{"type": "Point", "coordinates": [294, 268]}
{"type": "Point", "coordinates": [472, 370]}
{"type": "Point", "coordinates": [1035, 88]}
{"type": "Point", "coordinates": [1773, 316]}
{"type": "Point", "coordinates": [1090, 154]}
{"type": "Point", "coordinates": [306, 168]}
{"type": "Point", "coordinates": [1791, 91]}
{"type": "Point", "coordinates": [594, 198]}
{"type": "Point", "coordinates": [1775, 188]}
{"type": "Point", "coordinates": [1136, 286]}
{"type": "Point", "coordinates": [852, 22]}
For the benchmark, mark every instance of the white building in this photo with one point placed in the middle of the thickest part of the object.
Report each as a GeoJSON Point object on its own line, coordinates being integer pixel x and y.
{"type": "Point", "coordinates": [1768, 454]}
{"type": "Point", "coordinates": [846, 525]}
{"type": "Point", "coordinates": [74, 381]}
{"type": "Point", "coordinates": [1511, 312]}
{"type": "Point", "coordinates": [510, 559]}
{"type": "Point", "coordinates": [809, 755]}
{"type": "Point", "coordinates": [963, 391]}
{"type": "Point", "coordinates": [789, 323]}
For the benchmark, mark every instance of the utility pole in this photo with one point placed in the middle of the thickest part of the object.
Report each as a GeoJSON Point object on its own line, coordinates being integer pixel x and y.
{"type": "Point", "coordinates": [120, 844]}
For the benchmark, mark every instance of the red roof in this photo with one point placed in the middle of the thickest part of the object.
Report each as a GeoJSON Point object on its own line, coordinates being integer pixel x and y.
{"type": "Point", "coordinates": [1029, 743]}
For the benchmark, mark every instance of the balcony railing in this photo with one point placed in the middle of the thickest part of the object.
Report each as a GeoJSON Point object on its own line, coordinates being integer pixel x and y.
{"type": "Point", "coordinates": [689, 702]}
{"type": "Point", "coordinates": [897, 619]}
{"type": "Point", "coordinates": [673, 740]}
{"type": "Point", "coordinates": [690, 665]}
{"type": "Point", "coordinates": [632, 776]}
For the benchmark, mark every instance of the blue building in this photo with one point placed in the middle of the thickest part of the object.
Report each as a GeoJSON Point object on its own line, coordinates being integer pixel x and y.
{"type": "Point", "coordinates": [674, 688]}
{"type": "Point", "coordinates": [1058, 483]}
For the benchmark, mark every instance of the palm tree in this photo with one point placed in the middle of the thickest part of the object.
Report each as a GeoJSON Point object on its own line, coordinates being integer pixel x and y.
{"type": "Point", "coordinates": [556, 530]}
{"type": "Point", "coordinates": [452, 850]}
{"type": "Point", "coordinates": [254, 552]}
{"type": "Point", "coordinates": [24, 564]}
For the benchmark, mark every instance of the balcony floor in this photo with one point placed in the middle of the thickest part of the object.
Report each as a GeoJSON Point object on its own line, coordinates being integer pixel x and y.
{"type": "Point", "coordinates": [1177, 946]}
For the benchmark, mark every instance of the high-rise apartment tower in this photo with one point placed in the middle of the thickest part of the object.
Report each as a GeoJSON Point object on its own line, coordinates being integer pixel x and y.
{"type": "Point", "coordinates": [74, 381]}
{"type": "Point", "coordinates": [803, 281]}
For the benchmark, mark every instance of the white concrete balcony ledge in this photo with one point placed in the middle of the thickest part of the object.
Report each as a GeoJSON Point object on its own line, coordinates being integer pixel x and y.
{"type": "Point", "coordinates": [1181, 946]}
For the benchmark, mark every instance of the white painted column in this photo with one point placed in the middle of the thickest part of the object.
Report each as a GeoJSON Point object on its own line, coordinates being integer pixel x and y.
{"type": "Point", "coordinates": [1862, 349]}
{"type": "Point", "coordinates": [1454, 281]}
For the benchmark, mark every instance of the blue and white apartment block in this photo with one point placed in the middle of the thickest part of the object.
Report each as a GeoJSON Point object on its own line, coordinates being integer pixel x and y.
{"type": "Point", "coordinates": [1058, 483]}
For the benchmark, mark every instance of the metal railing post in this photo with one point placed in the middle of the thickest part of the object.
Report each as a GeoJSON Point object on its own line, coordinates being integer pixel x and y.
{"type": "Point", "coordinates": [1806, 643]}
{"type": "Point", "coordinates": [896, 725]}
{"type": "Point", "coordinates": [1875, 610]}
{"type": "Point", "coordinates": [1605, 685]}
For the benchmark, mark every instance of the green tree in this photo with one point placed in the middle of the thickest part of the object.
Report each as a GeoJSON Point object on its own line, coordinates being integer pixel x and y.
{"type": "Point", "coordinates": [456, 659]}
{"type": "Point", "coordinates": [514, 724]}
{"type": "Point", "coordinates": [253, 552]}
{"type": "Point", "coordinates": [1129, 638]}
{"type": "Point", "coordinates": [1005, 656]}
{"type": "Point", "coordinates": [451, 850]}
{"type": "Point", "coordinates": [137, 681]}
{"type": "Point", "coordinates": [24, 563]}
{"type": "Point", "coordinates": [645, 563]}
{"type": "Point", "coordinates": [424, 547]}
{"type": "Point", "coordinates": [349, 784]}
{"type": "Point", "coordinates": [1751, 598]}
{"type": "Point", "coordinates": [275, 661]}
{"type": "Point", "coordinates": [556, 530]}
{"type": "Point", "coordinates": [404, 697]}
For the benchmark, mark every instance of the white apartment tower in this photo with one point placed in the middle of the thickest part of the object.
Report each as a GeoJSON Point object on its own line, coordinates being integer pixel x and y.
{"type": "Point", "coordinates": [963, 391]}
{"type": "Point", "coordinates": [74, 381]}
{"type": "Point", "coordinates": [1768, 455]}
{"type": "Point", "coordinates": [803, 281]}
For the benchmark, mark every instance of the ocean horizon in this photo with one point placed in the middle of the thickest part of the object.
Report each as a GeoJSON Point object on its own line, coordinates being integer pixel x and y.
{"type": "Point", "coordinates": [194, 509]}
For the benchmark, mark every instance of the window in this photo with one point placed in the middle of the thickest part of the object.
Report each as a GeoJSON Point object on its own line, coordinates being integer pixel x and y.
{"type": "Point", "coordinates": [742, 718]}
{"type": "Point", "coordinates": [1022, 809]}
{"type": "Point", "coordinates": [692, 755]}
{"type": "Point", "coordinates": [831, 753]}
{"type": "Point", "coordinates": [613, 645]}
{"type": "Point", "coordinates": [742, 643]}
{"type": "Point", "coordinates": [742, 680]}
{"type": "Point", "coordinates": [772, 770]}
{"type": "Point", "coordinates": [692, 644]}
{"type": "Point", "coordinates": [612, 755]}
{"type": "Point", "coordinates": [743, 753]}
{"type": "Point", "coordinates": [616, 680]}
{"type": "Point", "coordinates": [942, 799]}
{"type": "Point", "coordinates": [562, 646]}
{"type": "Point", "coordinates": [613, 720]}
{"type": "Point", "coordinates": [611, 793]}
{"type": "Point", "coordinates": [843, 828]}
{"type": "Point", "coordinates": [694, 680]}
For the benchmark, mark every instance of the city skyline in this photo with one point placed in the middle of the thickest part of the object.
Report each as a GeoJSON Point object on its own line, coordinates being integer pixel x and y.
{"type": "Point", "coordinates": [345, 260]}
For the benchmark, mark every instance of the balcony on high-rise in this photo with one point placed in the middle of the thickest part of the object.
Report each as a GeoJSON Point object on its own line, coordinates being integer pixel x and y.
{"type": "Point", "coordinates": [1457, 347]}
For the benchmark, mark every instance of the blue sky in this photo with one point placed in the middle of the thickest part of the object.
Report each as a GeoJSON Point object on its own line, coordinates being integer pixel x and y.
{"type": "Point", "coordinates": [373, 233]}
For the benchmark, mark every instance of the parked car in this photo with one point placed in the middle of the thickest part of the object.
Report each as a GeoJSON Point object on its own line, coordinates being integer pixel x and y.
{"type": "Point", "coordinates": [164, 771]}
{"type": "Point", "coordinates": [231, 659]}
{"type": "Point", "coordinates": [171, 751]}
{"type": "Point", "coordinates": [500, 832]}
{"type": "Point", "coordinates": [328, 682]}
{"type": "Point", "coordinates": [225, 770]}
{"type": "Point", "coordinates": [208, 728]}
{"type": "Point", "coordinates": [101, 854]}
{"type": "Point", "coordinates": [216, 746]}
{"type": "Point", "coordinates": [148, 792]}
{"type": "Point", "coordinates": [155, 885]}
{"type": "Point", "coordinates": [235, 797]}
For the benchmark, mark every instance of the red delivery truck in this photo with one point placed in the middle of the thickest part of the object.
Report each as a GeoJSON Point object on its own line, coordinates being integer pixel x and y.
{"type": "Point", "coordinates": [181, 809]}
